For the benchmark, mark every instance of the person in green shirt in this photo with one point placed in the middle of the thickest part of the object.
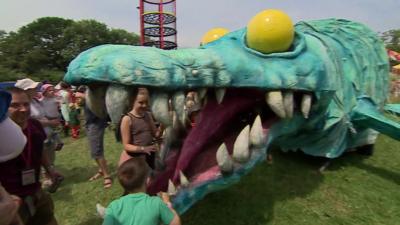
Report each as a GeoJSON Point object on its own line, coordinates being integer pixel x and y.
{"type": "Point", "coordinates": [136, 207]}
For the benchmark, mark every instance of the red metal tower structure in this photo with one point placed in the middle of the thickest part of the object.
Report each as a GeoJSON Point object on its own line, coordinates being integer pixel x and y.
{"type": "Point", "coordinates": [158, 23]}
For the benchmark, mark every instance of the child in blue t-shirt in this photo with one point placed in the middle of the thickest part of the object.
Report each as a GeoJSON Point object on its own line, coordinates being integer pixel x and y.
{"type": "Point", "coordinates": [136, 207]}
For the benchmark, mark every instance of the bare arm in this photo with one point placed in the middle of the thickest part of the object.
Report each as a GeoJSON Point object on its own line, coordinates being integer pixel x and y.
{"type": "Point", "coordinates": [49, 123]}
{"type": "Point", "coordinates": [166, 199]}
{"type": "Point", "coordinates": [157, 132]}
{"type": "Point", "coordinates": [49, 168]}
{"type": "Point", "coordinates": [126, 139]}
{"type": "Point", "coordinates": [8, 209]}
{"type": "Point", "coordinates": [176, 220]}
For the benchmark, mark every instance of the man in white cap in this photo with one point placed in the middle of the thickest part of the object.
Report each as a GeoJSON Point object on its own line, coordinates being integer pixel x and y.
{"type": "Point", "coordinates": [26, 84]}
{"type": "Point", "coordinates": [20, 175]}
{"type": "Point", "coordinates": [38, 109]}
{"type": "Point", "coordinates": [31, 88]}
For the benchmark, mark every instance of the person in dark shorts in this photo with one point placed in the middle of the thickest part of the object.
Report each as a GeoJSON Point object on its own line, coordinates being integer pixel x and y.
{"type": "Point", "coordinates": [95, 128]}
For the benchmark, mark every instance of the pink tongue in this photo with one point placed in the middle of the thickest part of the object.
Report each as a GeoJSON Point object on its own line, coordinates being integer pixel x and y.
{"type": "Point", "coordinates": [206, 167]}
{"type": "Point", "coordinates": [211, 119]}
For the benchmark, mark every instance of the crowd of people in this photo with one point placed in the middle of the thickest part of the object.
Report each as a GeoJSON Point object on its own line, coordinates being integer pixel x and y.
{"type": "Point", "coordinates": [39, 114]}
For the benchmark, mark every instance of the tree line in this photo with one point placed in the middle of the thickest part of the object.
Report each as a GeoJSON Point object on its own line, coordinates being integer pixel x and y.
{"type": "Point", "coordinates": [43, 48]}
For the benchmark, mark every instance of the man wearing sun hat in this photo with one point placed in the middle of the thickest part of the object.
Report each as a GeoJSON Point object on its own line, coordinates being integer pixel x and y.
{"type": "Point", "coordinates": [26, 84]}
{"type": "Point", "coordinates": [31, 88]}
{"type": "Point", "coordinates": [39, 107]}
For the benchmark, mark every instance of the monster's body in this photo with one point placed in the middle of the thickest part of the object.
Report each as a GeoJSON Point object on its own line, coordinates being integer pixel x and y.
{"type": "Point", "coordinates": [341, 64]}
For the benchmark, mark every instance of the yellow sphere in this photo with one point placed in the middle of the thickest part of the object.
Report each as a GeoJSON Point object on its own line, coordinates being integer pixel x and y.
{"type": "Point", "coordinates": [270, 31]}
{"type": "Point", "coordinates": [213, 34]}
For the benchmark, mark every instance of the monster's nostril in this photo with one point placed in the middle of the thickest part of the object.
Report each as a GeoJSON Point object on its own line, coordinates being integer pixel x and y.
{"type": "Point", "coordinates": [195, 72]}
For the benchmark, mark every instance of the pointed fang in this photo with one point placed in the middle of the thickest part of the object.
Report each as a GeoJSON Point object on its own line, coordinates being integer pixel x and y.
{"type": "Point", "coordinates": [118, 99]}
{"type": "Point", "coordinates": [219, 94]}
{"type": "Point", "coordinates": [183, 179]}
{"type": "Point", "coordinates": [201, 93]}
{"type": "Point", "coordinates": [256, 133]}
{"type": "Point", "coordinates": [306, 105]}
{"type": "Point", "coordinates": [160, 108]}
{"type": "Point", "coordinates": [224, 160]}
{"type": "Point", "coordinates": [95, 100]}
{"type": "Point", "coordinates": [288, 103]}
{"type": "Point", "coordinates": [275, 101]}
{"type": "Point", "coordinates": [241, 151]}
{"type": "Point", "coordinates": [178, 102]}
{"type": "Point", "coordinates": [171, 188]}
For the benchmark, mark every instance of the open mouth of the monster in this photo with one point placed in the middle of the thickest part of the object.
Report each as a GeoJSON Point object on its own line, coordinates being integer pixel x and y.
{"type": "Point", "coordinates": [225, 140]}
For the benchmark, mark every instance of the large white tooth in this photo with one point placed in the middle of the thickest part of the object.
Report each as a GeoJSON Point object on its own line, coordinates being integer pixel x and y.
{"type": "Point", "coordinates": [95, 100]}
{"type": "Point", "coordinates": [241, 151]}
{"type": "Point", "coordinates": [256, 133]}
{"type": "Point", "coordinates": [205, 100]}
{"type": "Point", "coordinates": [306, 105]}
{"type": "Point", "coordinates": [201, 93]}
{"type": "Point", "coordinates": [178, 102]}
{"type": "Point", "coordinates": [224, 160]}
{"type": "Point", "coordinates": [168, 137]}
{"type": "Point", "coordinates": [288, 103]}
{"type": "Point", "coordinates": [275, 101]}
{"type": "Point", "coordinates": [183, 179]}
{"type": "Point", "coordinates": [171, 188]}
{"type": "Point", "coordinates": [196, 98]}
{"type": "Point", "coordinates": [219, 94]}
{"type": "Point", "coordinates": [118, 100]}
{"type": "Point", "coordinates": [175, 122]}
{"type": "Point", "coordinates": [160, 108]}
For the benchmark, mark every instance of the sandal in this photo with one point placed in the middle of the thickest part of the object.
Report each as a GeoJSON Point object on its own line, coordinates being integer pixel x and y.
{"type": "Point", "coordinates": [96, 176]}
{"type": "Point", "coordinates": [107, 182]}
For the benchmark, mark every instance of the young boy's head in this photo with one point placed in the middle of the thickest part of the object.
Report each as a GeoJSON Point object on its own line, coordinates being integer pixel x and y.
{"type": "Point", "coordinates": [133, 173]}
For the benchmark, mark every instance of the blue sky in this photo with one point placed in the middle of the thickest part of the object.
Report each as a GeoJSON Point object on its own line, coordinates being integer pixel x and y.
{"type": "Point", "coordinates": [197, 17]}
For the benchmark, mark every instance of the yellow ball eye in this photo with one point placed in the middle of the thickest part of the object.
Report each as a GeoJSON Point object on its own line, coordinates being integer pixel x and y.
{"type": "Point", "coordinates": [213, 34]}
{"type": "Point", "coordinates": [270, 31]}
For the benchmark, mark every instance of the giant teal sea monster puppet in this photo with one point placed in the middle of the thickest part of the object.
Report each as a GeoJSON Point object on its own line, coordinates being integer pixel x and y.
{"type": "Point", "coordinates": [322, 94]}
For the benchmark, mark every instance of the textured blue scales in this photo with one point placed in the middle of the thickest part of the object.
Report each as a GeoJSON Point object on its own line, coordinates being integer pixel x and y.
{"type": "Point", "coordinates": [343, 63]}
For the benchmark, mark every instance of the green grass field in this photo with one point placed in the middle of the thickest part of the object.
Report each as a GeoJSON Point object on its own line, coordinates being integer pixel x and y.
{"type": "Point", "coordinates": [353, 190]}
